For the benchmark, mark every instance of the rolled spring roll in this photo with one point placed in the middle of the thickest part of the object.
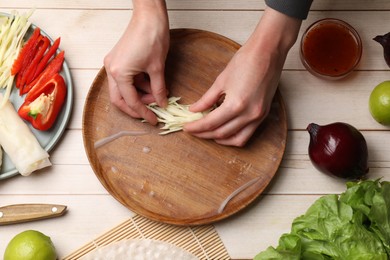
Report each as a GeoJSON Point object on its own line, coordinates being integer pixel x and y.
{"type": "Point", "coordinates": [19, 142]}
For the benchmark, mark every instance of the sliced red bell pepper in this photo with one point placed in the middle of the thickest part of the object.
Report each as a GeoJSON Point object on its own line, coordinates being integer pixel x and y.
{"type": "Point", "coordinates": [21, 75]}
{"type": "Point", "coordinates": [24, 52]}
{"type": "Point", "coordinates": [27, 61]}
{"type": "Point", "coordinates": [50, 53]}
{"type": "Point", "coordinates": [44, 103]}
{"type": "Point", "coordinates": [43, 45]}
{"type": "Point", "coordinates": [52, 68]}
{"type": "Point", "coordinates": [26, 75]}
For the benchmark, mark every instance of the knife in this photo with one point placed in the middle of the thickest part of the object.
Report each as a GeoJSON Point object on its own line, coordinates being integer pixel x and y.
{"type": "Point", "coordinates": [19, 213]}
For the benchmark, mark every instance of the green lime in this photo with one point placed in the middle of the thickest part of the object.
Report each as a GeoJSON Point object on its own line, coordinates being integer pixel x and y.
{"type": "Point", "coordinates": [379, 103]}
{"type": "Point", "coordinates": [30, 245]}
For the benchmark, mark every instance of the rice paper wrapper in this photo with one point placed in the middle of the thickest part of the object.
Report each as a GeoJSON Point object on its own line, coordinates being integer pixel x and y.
{"type": "Point", "coordinates": [139, 249]}
{"type": "Point", "coordinates": [19, 143]}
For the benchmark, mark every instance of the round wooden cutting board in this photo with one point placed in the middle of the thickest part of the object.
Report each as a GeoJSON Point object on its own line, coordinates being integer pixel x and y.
{"type": "Point", "coordinates": [177, 178]}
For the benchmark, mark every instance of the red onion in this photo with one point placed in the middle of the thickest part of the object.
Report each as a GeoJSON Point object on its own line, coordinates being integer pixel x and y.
{"type": "Point", "coordinates": [338, 149]}
{"type": "Point", "coordinates": [384, 40]}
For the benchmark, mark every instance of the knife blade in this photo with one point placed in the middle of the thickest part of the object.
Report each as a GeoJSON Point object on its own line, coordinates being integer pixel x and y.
{"type": "Point", "coordinates": [19, 213]}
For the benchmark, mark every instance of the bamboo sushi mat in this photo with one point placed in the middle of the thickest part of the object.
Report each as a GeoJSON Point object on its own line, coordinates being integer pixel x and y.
{"type": "Point", "coordinates": [202, 241]}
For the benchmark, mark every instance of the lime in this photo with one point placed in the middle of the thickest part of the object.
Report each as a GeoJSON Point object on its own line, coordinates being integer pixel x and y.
{"type": "Point", "coordinates": [379, 103]}
{"type": "Point", "coordinates": [30, 245]}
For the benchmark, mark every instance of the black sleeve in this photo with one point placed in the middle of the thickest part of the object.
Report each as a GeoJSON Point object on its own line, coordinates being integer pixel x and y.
{"type": "Point", "coordinates": [294, 8]}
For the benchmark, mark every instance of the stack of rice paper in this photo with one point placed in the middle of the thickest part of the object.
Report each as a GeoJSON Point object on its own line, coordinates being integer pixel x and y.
{"type": "Point", "coordinates": [139, 249]}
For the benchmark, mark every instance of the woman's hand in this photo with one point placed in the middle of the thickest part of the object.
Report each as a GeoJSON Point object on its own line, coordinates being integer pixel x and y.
{"type": "Point", "coordinates": [248, 83]}
{"type": "Point", "coordinates": [135, 66]}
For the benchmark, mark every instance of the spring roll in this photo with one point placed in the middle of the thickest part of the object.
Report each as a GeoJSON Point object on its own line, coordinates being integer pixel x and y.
{"type": "Point", "coordinates": [19, 142]}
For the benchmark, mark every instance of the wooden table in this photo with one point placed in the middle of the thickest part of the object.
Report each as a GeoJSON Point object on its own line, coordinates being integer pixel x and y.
{"type": "Point", "coordinates": [89, 29]}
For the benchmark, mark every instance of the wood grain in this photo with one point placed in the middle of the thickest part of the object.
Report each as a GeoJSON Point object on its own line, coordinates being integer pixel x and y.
{"type": "Point", "coordinates": [88, 31]}
{"type": "Point", "coordinates": [182, 180]}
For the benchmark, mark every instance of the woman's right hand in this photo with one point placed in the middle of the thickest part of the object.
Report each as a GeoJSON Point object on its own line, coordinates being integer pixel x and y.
{"type": "Point", "coordinates": [135, 66]}
{"type": "Point", "coordinates": [248, 83]}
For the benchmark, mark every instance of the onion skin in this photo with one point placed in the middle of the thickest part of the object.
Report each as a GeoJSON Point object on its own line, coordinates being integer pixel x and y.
{"type": "Point", "coordinates": [338, 149]}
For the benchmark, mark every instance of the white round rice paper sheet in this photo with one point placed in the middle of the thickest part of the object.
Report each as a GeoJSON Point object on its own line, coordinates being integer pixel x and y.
{"type": "Point", "coordinates": [139, 249]}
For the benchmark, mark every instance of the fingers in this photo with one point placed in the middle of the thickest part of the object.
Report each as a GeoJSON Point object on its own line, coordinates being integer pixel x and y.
{"type": "Point", "coordinates": [216, 127]}
{"type": "Point", "coordinates": [240, 138]}
{"type": "Point", "coordinates": [158, 89]}
{"type": "Point", "coordinates": [116, 98]}
{"type": "Point", "coordinates": [208, 100]}
{"type": "Point", "coordinates": [130, 95]}
{"type": "Point", "coordinates": [227, 124]}
{"type": "Point", "coordinates": [232, 123]}
{"type": "Point", "coordinates": [212, 121]}
{"type": "Point", "coordinates": [125, 96]}
{"type": "Point", "coordinates": [234, 132]}
{"type": "Point", "coordinates": [142, 82]}
{"type": "Point", "coordinates": [141, 51]}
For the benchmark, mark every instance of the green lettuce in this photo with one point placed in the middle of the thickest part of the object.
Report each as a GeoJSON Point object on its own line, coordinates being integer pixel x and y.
{"type": "Point", "coordinates": [371, 201]}
{"type": "Point", "coordinates": [354, 225]}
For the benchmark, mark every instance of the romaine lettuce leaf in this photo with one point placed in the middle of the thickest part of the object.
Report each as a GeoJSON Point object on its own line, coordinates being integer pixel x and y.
{"type": "Point", "coordinates": [354, 225]}
{"type": "Point", "coordinates": [372, 200]}
{"type": "Point", "coordinates": [289, 248]}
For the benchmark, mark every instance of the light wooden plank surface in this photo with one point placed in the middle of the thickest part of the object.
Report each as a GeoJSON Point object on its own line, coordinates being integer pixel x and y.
{"type": "Point", "coordinates": [88, 32]}
{"type": "Point", "coordinates": [197, 4]}
{"type": "Point", "coordinates": [92, 26]}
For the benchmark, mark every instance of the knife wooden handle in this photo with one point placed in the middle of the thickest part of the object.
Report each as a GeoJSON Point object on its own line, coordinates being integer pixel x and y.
{"type": "Point", "coordinates": [19, 213]}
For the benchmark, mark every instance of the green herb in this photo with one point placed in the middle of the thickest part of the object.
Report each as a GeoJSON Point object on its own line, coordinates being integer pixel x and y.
{"type": "Point", "coordinates": [354, 225]}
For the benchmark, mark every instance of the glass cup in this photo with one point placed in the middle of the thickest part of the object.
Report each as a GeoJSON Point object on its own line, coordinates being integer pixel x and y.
{"type": "Point", "coordinates": [330, 48]}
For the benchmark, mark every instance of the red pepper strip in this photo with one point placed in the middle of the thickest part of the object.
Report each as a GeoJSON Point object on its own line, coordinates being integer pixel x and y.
{"type": "Point", "coordinates": [19, 62]}
{"type": "Point", "coordinates": [17, 81]}
{"type": "Point", "coordinates": [27, 61]}
{"type": "Point", "coordinates": [45, 103]}
{"type": "Point", "coordinates": [50, 53]}
{"type": "Point", "coordinates": [30, 70]}
{"type": "Point", "coordinates": [30, 67]}
{"type": "Point", "coordinates": [52, 68]}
